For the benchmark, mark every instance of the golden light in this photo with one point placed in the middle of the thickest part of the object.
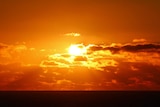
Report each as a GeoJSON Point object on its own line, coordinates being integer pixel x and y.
{"type": "Point", "coordinates": [77, 50]}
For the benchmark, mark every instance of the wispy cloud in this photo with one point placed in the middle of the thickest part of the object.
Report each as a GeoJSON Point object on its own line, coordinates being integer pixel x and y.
{"type": "Point", "coordinates": [142, 40]}
{"type": "Point", "coordinates": [73, 34]}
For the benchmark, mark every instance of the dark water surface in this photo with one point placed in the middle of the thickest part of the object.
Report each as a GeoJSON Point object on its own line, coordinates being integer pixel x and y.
{"type": "Point", "coordinates": [79, 98]}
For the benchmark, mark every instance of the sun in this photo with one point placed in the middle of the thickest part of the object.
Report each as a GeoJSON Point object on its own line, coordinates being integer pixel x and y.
{"type": "Point", "coordinates": [77, 50]}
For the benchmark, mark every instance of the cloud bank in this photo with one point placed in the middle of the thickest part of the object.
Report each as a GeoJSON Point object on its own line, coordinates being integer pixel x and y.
{"type": "Point", "coordinates": [131, 66]}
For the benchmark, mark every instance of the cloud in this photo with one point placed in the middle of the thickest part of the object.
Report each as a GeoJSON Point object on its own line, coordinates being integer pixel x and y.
{"type": "Point", "coordinates": [144, 77]}
{"type": "Point", "coordinates": [4, 54]}
{"type": "Point", "coordinates": [142, 48]}
{"type": "Point", "coordinates": [80, 58]}
{"type": "Point", "coordinates": [2, 46]}
{"type": "Point", "coordinates": [122, 77]}
{"type": "Point", "coordinates": [21, 53]}
{"type": "Point", "coordinates": [11, 52]}
{"type": "Point", "coordinates": [139, 40]}
{"type": "Point", "coordinates": [15, 76]}
{"type": "Point", "coordinates": [48, 64]}
{"type": "Point", "coordinates": [94, 61]}
{"type": "Point", "coordinates": [73, 34]}
{"type": "Point", "coordinates": [129, 48]}
{"type": "Point", "coordinates": [104, 67]}
{"type": "Point", "coordinates": [99, 56]}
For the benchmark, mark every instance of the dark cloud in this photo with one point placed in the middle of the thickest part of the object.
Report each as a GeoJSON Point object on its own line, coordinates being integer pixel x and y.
{"type": "Point", "coordinates": [127, 75]}
{"type": "Point", "coordinates": [145, 76]}
{"type": "Point", "coordinates": [144, 47]}
{"type": "Point", "coordinates": [128, 48]}
{"type": "Point", "coordinates": [18, 77]}
{"type": "Point", "coordinates": [29, 79]}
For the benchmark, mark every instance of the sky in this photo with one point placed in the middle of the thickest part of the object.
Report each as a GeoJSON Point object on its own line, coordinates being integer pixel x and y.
{"type": "Point", "coordinates": [79, 45]}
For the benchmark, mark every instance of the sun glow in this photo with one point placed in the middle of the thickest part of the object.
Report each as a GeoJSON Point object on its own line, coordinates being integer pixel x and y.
{"type": "Point", "coordinates": [77, 50]}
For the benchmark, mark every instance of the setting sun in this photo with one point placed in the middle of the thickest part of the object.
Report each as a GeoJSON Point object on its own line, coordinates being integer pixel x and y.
{"type": "Point", "coordinates": [79, 45]}
{"type": "Point", "coordinates": [76, 50]}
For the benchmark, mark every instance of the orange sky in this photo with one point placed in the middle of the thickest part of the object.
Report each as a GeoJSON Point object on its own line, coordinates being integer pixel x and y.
{"type": "Point", "coordinates": [43, 22]}
{"type": "Point", "coordinates": [115, 45]}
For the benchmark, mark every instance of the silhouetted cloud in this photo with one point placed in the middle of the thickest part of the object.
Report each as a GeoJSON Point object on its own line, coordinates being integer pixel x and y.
{"type": "Point", "coordinates": [128, 48]}
{"type": "Point", "coordinates": [141, 48]}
